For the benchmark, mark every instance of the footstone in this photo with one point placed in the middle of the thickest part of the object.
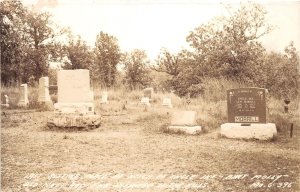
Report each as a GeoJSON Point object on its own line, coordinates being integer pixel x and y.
{"type": "Point", "coordinates": [259, 131]}
{"type": "Point", "coordinates": [184, 122]}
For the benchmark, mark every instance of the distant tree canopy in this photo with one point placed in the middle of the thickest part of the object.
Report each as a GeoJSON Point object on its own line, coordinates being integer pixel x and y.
{"type": "Point", "coordinates": [136, 68]}
{"type": "Point", "coordinates": [226, 47]}
{"type": "Point", "coordinates": [229, 47]}
{"type": "Point", "coordinates": [108, 55]}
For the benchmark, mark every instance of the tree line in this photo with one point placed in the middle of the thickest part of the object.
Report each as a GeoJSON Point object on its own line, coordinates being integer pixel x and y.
{"type": "Point", "coordinates": [225, 47]}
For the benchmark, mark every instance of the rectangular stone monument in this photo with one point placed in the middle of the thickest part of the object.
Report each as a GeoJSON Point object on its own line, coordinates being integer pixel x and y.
{"type": "Point", "coordinates": [148, 92]}
{"type": "Point", "coordinates": [23, 102]}
{"type": "Point", "coordinates": [73, 92]}
{"type": "Point", "coordinates": [246, 108]}
{"type": "Point", "coordinates": [167, 102]}
{"type": "Point", "coordinates": [75, 107]}
{"type": "Point", "coordinates": [44, 95]}
{"type": "Point", "coordinates": [184, 122]}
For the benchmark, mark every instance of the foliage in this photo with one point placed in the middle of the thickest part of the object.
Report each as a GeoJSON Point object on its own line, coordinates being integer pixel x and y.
{"type": "Point", "coordinates": [79, 54]}
{"type": "Point", "coordinates": [12, 17]}
{"type": "Point", "coordinates": [136, 69]}
{"type": "Point", "coordinates": [108, 55]}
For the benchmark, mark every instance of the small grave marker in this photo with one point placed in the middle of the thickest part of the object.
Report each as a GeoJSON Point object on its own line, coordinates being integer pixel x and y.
{"type": "Point", "coordinates": [23, 102]}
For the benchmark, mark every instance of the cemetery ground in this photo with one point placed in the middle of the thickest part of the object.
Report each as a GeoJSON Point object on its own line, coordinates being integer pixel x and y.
{"type": "Point", "coordinates": [130, 151]}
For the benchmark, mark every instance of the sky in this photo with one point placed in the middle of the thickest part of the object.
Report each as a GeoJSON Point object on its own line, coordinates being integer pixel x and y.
{"type": "Point", "coordinates": [152, 24]}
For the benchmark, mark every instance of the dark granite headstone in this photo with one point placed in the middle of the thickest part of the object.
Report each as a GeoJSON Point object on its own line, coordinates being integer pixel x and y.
{"type": "Point", "coordinates": [148, 92]}
{"type": "Point", "coordinates": [246, 105]}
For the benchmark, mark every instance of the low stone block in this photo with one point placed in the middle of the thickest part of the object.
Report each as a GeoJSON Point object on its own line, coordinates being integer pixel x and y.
{"type": "Point", "coordinates": [191, 130]}
{"type": "Point", "coordinates": [186, 118]}
{"type": "Point", "coordinates": [258, 131]}
{"type": "Point", "coordinates": [74, 121]}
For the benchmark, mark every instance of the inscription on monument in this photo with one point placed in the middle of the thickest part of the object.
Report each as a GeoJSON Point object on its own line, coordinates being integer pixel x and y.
{"type": "Point", "coordinates": [246, 105]}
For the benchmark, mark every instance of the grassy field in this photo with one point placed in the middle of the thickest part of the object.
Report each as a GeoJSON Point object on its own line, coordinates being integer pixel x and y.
{"type": "Point", "coordinates": [131, 151]}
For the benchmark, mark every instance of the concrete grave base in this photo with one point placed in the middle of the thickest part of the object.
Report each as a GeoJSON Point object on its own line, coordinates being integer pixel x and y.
{"type": "Point", "coordinates": [249, 131]}
{"type": "Point", "coordinates": [84, 108]}
{"type": "Point", "coordinates": [74, 121]}
{"type": "Point", "coordinates": [191, 130]}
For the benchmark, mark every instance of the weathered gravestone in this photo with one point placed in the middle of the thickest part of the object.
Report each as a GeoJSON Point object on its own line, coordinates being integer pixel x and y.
{"type": "Point", "coordinates": [44, 96]}
{"type": "Point", "coordinates": [167, 102]}
{"type": "Point", "coordinates": [246, 108]}
{"type": "Point", "coordinates": [148, 92]}
{"type": "Point", "coordinates": [145, 101]}
{"type": "Point", "coordinates": [184, 122]}
{"type": "Point", "coordinates": [23, 102]}
{"type": "Point", "coordinates": [6, 104]}
{"type": "Point", "coordinates": [74, 107]}
{"type": "Point", "coordinates": [104, 98]}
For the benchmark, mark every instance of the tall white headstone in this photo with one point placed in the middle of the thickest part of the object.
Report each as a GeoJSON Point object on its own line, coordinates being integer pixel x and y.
{"type": "Point", "coordinates": [23, 102]}
{"type": "Point", "coordinates": [73, 92]}
{"type": "Point", "coordinates": [44, 95]}
{"type": "Point", "coordinates": [75, 106]}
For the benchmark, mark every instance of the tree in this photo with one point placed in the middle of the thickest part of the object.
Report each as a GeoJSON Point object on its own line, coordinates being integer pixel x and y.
{"type": "Point", "coordinates": [228, 46]}
{"type": "Point", "coordinates": [79, 54]}
{"type": "Point", "coordinates": [39, 38]}
{"type": "Point", "coordinates": [12, 15]}
{"type": "Point", "coordinates": [136, 70]}
{"type": "Point", "coordinates": [107, 53]}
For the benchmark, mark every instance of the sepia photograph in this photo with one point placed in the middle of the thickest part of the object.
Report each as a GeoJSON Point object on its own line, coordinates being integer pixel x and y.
{"type": "Point", "coordinates": [150, 95]}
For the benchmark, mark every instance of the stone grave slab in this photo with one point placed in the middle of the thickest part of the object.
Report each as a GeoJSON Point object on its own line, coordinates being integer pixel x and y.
{"type": "Point", "coordinates": [184, 122]}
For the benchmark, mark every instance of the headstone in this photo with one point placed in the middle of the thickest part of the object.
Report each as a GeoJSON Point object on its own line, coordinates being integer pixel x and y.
{"type": "Point", "coordinates": [145, 101]}
{"type": "Point", "coordinates": [167, 102]}
{"type": "Point", "coordinates": [75, 107]}
{"type": "Point", "coordinates": [73, 92]}
{"type": "Point", "coordinates": [246, 105]}
{"type": "Point", "coordinates": [104, 98]}
{"type": "Point", "coordinates": [184, 122]}
{"type": "Point", "coordinates": [246, 109]}
{"type": "Point", "coordinates": [6, 104]}
{"type": "Point", "coordinates": [148, 92]}
{"type": "Point", "coordinates": [23, 102]}
{"type": "Point", "coordinates": [44, 95]}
